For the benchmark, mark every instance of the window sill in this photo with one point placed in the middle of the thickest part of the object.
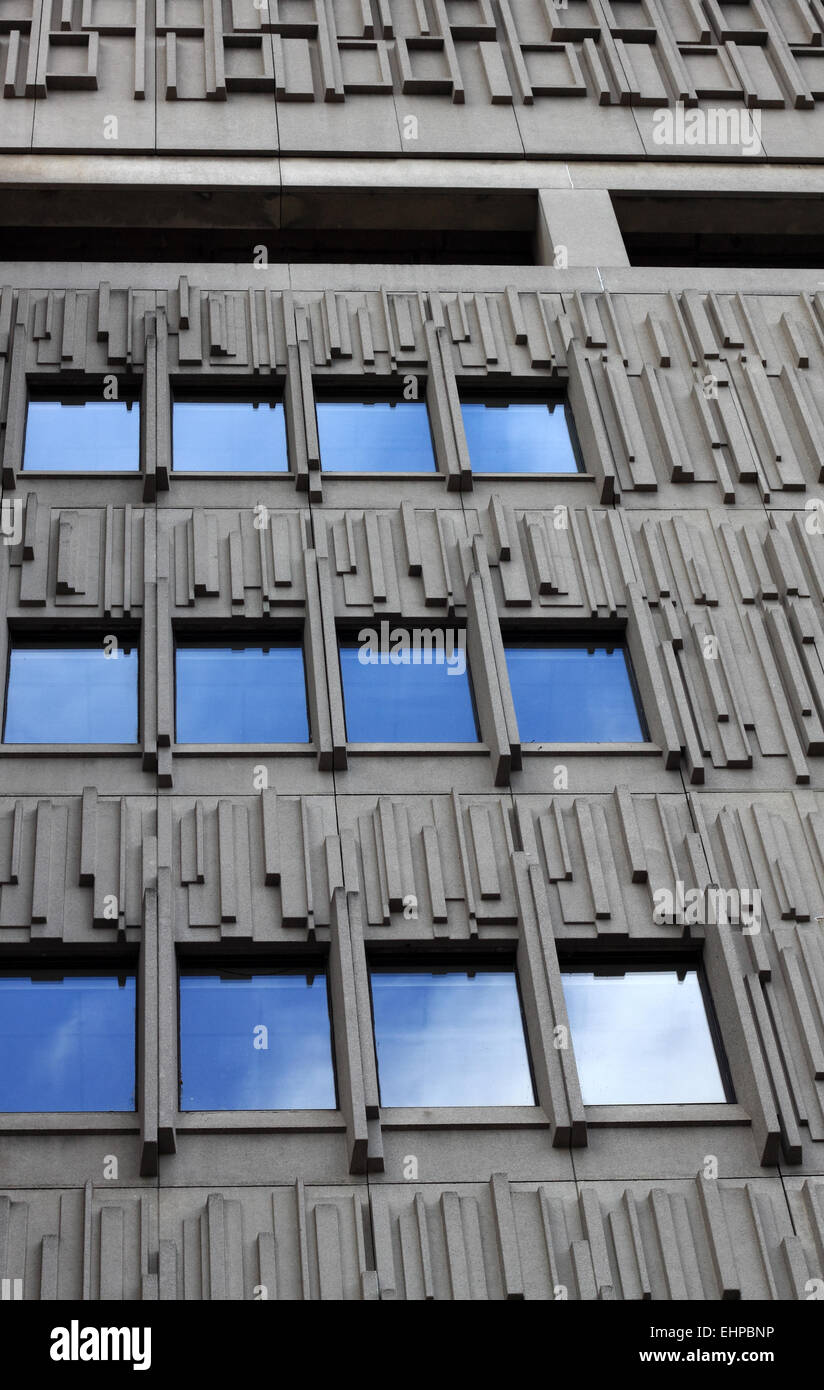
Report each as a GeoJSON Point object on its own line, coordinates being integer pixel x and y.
{"type": "Point", "coordinates": [68, 1121]}
{"type": "Point", "coordinates": [231, 475]}
{"type": "Point", "coordinates": [251, 750]}
{"type": "Point", "coordinates": [620, 750]}
{"type": "Point", "coordinates": [72, 750]}
{"type": "Point", "coordinates": [565, 475]}
{"type": "Point", "coordinates": [430, 475]}
{"type": "Point", "coordinates": [385, 749]}
{"type": "Point", "coordinates": [464, 1117]}
{"type": "Point", "coordinates": [51, 473]}
{"type": "Point", "coordinates": [602, 1116]}
{"type": "Point", "coordinates": [204, 1121]}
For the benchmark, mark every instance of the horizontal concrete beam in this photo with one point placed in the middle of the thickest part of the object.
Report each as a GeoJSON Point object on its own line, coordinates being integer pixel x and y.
{"type": "Point", "coordinates": [294, 174]}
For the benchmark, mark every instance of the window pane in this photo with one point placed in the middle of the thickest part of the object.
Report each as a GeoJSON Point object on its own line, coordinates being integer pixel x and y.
{"type": "Point", "coordinates": [642, 1038]}
{"type": "Point", "coordinates": [375, 437]}
{"type": "Point", "coordinates": [241, 695]}
{"type": "Point", "coordinates": [259, 1043]}
{"type": "Point", "coordinates": [229, 437]}
{"type": "Point", "coordinates": [573, 694]}
{"type": "Point", "coordinates": [71, 695]}
{"type": "Point", "coordinates": [518, 437]}
{"type": "Point", "coordinates": [417, 702]}
{"type": "Point", "coordinates": [82, 436]}
{"type": "Point", "coordinates": [450, 1037]}
{"type": "Point", "coordinates": [67, 1044]}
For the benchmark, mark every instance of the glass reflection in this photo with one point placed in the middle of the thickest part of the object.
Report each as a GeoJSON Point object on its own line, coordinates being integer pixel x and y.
{"type": "Point", "coordinates": [519, 437]}
{"type": "Point", "coordinates": [573, 694]}
{"type": "Point", "coordinates": [241, 695]}
{"type": "Point", "coordinates": [255, 1042]}
{"type": "Point", "coordinates": [419, 701]}
{"type": "Point", "coordinates": [82, 436]}
{"type": "Point", "coordinates": [229, 437]}
{"type": "Point", "coordinates": [375, 437]}
{"type": "Point", "coordinates": [67, 1044]}
{"type": "Point", "coordinates": [450, 1037]}
{"type": "Point", "coordinates": [71, 694]}
{"type": "Point", "coordinates": [642, 1038]}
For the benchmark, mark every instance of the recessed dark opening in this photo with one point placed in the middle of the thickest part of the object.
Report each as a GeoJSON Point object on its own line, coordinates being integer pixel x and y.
{"type": "Point", "coordinates": [363, 226]}
{"type": "Point", "coordinates": [715, 230]}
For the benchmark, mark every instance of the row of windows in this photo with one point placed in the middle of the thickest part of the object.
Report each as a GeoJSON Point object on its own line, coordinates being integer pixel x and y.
{"type": "Point", "coordinates": [380, 434]}
{"type": "Point", "coordinates": [262, 1039]}
{"type": "Point", "coordinates": [84, 693]}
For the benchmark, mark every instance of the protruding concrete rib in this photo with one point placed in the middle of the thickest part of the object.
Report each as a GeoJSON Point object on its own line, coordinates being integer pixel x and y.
{"type": "Point", "coordinates": [593, 1224]}
{"type": "Point", "coordinates": [496, 647]}
{"type": "Point", "coordinates": [630, 834]}
{"type": "Point", "coordinates": [795, 1263]}
{"type": "Point", "coordinates": [347, 1034]}
{"type": "Point", "coordinates": [382, 1242]}
{"type": "Point", "coordinates": [147, 1038]}
{"type": "Point", "coordinates": [368, 1277]}
{"type": "Point", "coordinates": [88, 1217]}
{"type": "Point", "coordinates": [507, 1236]}
{"type": "Point", "coordinates": [643, 646]}
{"type": "Point", "coordinates": [770, 1027]}
{"type": "Point", "coordinates": [668, 1244]}
{"type": "Point", "coordinates": [491, 715]}
{"type": "Point", "coordinates": [88, 837]}
{"type": "Point", "coordinates": [167, 992]}
{"type": "Point", "coordinates": [451, 1216]}
{"type": "Point", "coordinates": [17, 396]}
{"type": "Point", "coordinates": [592, 432]}
{"type": "Point", "coordinates": [723, 1258]}
{"type": "Point", "coordinates": [557, 1086]}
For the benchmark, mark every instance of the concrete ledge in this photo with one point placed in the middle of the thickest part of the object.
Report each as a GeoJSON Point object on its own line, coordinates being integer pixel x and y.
{"type": "Point", "coordinates": [631, 1116]}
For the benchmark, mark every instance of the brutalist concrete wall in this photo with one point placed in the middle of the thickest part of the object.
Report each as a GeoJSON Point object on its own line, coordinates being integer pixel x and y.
{"type": "Point", "coordinates": [502, 78]}
{"type": "Point", "coordinates": [696, 528]}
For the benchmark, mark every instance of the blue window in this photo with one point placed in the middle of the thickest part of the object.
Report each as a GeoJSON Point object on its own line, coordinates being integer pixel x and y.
{"type": "Point", "coordinates": [72, 693]}
{"type": "Point", "coordinates": [229, 436]}
{"type": "Point", "coordinates": [520, 436]}
{"type": "Point", "coordinates": [67, 1041]}
{"type": "Point", "coordinates": [642, 1037]}
{"type": "Point", "coordinates": [253, 693]}
{"type": "Point", "coordinates": [450, 1037]}
{"type": "Point", "coordinates": [79, 435]}
{"type": "Point", "coordinates": [413, 688]}
{"type": "Point", "coordinates": [375, 436]}
{"type": "Point", "coordinates": [255, 1041]}
{"type": "Point", "coordinates": [574, 693]}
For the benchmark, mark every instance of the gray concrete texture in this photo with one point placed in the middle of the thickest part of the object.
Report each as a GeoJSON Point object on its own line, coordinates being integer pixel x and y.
{"type": "Point", "coordinates": [697, 517]}
{"type": "Point", "coordinates": [512, 78]}
{"type": "Point", "coordinates": [697, 526]}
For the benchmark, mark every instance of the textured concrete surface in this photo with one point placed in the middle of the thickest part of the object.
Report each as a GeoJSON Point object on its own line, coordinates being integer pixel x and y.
{"type": "Point", "coordinates": [696, 526]}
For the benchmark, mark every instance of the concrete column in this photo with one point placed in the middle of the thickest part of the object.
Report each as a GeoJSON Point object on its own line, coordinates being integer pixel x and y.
{"type": "Point", "coordinates": [583, 221]}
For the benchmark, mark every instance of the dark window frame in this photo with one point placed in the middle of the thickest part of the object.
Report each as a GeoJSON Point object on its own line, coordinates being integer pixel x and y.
{"type": "Point", "coordinates": [48, 967]}
{"type": "Point", "coordinates": [346, 636]}
{"type": "Point", "coordinates": [73, 638]}
{"type": "Point", "coordinates": [572, 959]}
{"type": "Point", "coordinates": [67, 389]}
{"type": "Point", "coordinates": [387, 959]}
{"type": "Point", "coordinates": [471, 391]}
{"type": "Point", "coordinates": [214, 390]}
{"type": "Point", "coordinates": [370, 390]}
{"type": "Point", "coordinates": [233, 966]}
{"type": "Point", "coordinates": [292, 636]}
{"type": "Point", "coordinates": [519, 635]}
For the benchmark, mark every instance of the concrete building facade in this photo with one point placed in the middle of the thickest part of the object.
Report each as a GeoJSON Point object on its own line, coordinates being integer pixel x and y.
{"type": "Point", "coordinates": [616, 204]}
